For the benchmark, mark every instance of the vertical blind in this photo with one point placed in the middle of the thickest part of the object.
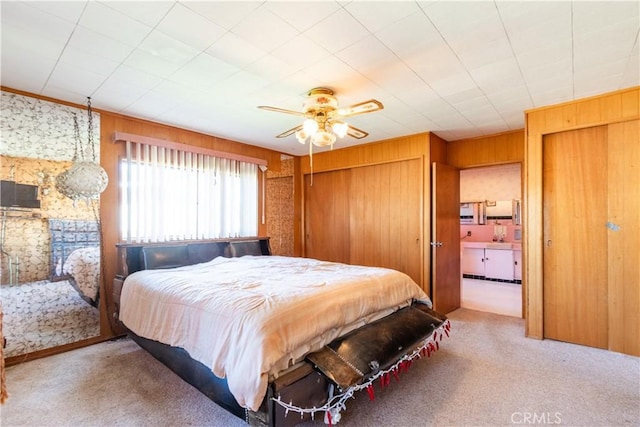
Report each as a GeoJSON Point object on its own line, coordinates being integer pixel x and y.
{"type": "Point", "coordinates": [173, 194]}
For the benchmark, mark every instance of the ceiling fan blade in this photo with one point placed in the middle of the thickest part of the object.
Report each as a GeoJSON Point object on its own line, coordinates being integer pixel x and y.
{"type": "Point", "coordinates": [356, 133]}
{"type": "Point", "coordinates": [361, 108]}
{"type": "Point", "coordinates": [281, 110]}
{"type": "Point", "coordinates": [291, 131]}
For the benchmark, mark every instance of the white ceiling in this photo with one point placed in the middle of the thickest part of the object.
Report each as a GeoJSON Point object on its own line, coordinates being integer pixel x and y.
{"type": "Point", "coordinates": [458, 69]}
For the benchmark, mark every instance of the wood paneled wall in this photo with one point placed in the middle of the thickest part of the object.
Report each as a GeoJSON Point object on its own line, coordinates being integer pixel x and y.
{"type": "Point", "coordinates": [615, 107]}
{"type": "Point", "coordinates": [501, 148]}
{"type": "Point", "coordinates": [415, 147]}
{"type": "Point", "coordinates": [110, 153]}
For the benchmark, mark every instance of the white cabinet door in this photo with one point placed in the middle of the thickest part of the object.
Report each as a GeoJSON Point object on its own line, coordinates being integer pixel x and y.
{"type": "Point", "coordinates": [473, 261]}
{"type": "Point", "coordinates": [517, 265]}
{"type": "Point", "coordinates": [498, 264]}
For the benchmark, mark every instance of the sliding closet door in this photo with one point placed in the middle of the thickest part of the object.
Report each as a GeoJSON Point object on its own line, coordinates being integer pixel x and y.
{"type": "Point", "coordinates": [575, 236]}
{"type": "Point", "coordinates": [326, 211]}
{"type": "Point", "coordinates": [385, 216]}
{"type": "Point", "coordinates": [624, 237]}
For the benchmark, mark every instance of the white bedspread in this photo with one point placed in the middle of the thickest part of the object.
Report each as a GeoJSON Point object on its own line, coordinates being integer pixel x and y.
{"type": "Point", "coordinates": [250, 316]}
{"type": "Point", "coordinates": [84, 266]}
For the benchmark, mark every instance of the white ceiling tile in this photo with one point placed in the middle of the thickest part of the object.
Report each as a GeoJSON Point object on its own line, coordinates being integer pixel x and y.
{"type": "Point", "coordinates": [24, 70]}
{"type": "Point", "coordinates": [152, 104]}
{"type": "Point", "coordinates": [113, 24]}
{"type": "Point", "coordinates": [631, 76]}
{"type": "Point", "coordinates": [147, 12]}
{"type": "Point", "coordinates": [337, 31]}
{"type": "Point", "coordinates": [204, 71]}
{"type": "Point", "coordinates": [298, 83]}
{"type": "Point", "coordinates": [607, 43]}
{"type": "Point", "coordinates": [470, 26]}
{"type": "Point", "coordinates": [378, 15]}
{"type": "Point", "coordinates": [395, 77]}
{"type": "Point", "coordinates": [15, 40]}
{"type": "Point", "coordinates": [469, 99]}
{"type": "Point", "coordinates": [67, 10]}
{"type": "Point", "coordinates": [498, 77]}
{"type": "Point", "coordinates": [82, 60]}
{"type": "Point", "coordinates": [241, 83]}
{"type": "Point", "coordinates": [261, 22]}
{"type": "Point", "coordinates": [271, 68]}
{"type": "Point", "coordinates": [135, 77]}
{"type": "Point", "coordinates": [486, 53]}
{"type": "Point", "coordinates": [75, 79]}
{"type": "Point", "coordinates": [436, 63]}
{"type": "Point", "coordinates": [152, 64]}
{"type": "Point", "coordinates": [420, 97]}
{"type": "Point", "coordinates": [549, 70]}
{"type": "Point", "coordinates": [455, 88]}
{"type": "Point", "coordinates": [594, 15]}
{"type": "Point", "coordinates": [41, 25]}
{"type": "Point", "coordinates": [550, 95]}
{"type": "Point", "coordinates": [69, 94]}
{"type": "Point", "coordinates": [97, 44]}
{"type": "Point", "coordinates": [550, 53]}
{"type": "Point", "coordinates": [367, 54]}
{"type": "Point", "coordinates": [226, 14]}
{"type": "Point", "coordinates": [540, 24]}
{"type": "Point", "coordinates": [300, 52]}
{"type": "Point", "coordinates": [115, 95]}
{"type": "Point", "coordinates": [302, 15]}
{"type": "Point", "coordinates": [164, 47]}
{"type": "Point", "coordinates": [410, 36]}
{"type": "Point", "coordinates": [333, 72]}
{"type": "Point", "coordinates": [236, 51]}
{"type": "Point", "coordinates": [187, 26]}
{"type": "Point", "coordinates": [562, 81]}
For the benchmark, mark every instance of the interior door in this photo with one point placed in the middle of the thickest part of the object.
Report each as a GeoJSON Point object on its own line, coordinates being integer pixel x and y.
{"type": "Point", "coordinates": [327, 216]}
{"type": "Point", "coordinates": [385, 220]}
{"type": "Point", "coordinates": [575, 255]}
{"type": "Point", "coordinates": [624, 237]}
{"type": "Point", "coordinates": [445, 237]}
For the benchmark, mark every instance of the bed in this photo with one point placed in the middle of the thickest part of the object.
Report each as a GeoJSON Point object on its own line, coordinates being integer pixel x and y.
{"type": "Point", "coordinates": [291, 334]}
{"type": "Point", "coordinates": [75, 256]}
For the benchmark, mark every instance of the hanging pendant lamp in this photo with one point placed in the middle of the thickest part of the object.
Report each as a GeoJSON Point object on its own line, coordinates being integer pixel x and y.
{"type": "Point", "coordinates": [86, 179]}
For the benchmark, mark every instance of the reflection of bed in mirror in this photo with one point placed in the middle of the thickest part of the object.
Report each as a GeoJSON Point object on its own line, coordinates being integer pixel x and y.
{"type": "Point", "coordinates": [42, 314]}
{"type": "Point", "coordinates": [75, 255]}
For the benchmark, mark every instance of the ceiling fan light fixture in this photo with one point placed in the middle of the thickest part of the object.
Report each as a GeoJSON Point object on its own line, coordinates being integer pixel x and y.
{"type": "Point", "coordinates": [323, 138]}
{"type": "Point", "coordinates": [340, 129]}
{"type": "Point", "coordinates": [302, 136]}
{"type": "Point", "coordinates": [310, 126]}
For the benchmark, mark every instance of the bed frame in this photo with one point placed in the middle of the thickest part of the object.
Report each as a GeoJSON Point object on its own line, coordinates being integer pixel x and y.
{"type": "Point", "coordinates": [67, 235]}
{"type": "Point", "coordinates": [345, 362]}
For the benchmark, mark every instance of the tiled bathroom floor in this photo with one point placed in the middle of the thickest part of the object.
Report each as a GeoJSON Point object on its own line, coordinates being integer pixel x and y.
{"type": "Point", "coordinates": [492, 297]}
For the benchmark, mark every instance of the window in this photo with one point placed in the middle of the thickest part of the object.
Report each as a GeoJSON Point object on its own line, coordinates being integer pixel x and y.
{"type": "Point", "coordinates": [172, 194]}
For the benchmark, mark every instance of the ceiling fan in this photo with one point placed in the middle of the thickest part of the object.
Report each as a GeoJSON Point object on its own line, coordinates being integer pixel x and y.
{"type": "Point", "coordinates": [323, 119]}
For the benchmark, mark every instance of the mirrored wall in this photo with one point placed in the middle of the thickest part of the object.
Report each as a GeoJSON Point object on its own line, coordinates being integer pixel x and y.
{"type": "Point", "coordinates": [50, 247]}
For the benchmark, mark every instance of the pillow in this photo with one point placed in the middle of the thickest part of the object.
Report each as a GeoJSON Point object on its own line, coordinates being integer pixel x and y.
{"type": "Point", "coordinates": [165, 257]}
{"type": "Point", "coordinates": [203, 252]}
{"type": "Point", "coordinates": [250, 247]}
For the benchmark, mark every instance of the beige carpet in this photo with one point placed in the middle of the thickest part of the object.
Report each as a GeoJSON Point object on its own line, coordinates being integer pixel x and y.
{"type": "Point", "coordinates": [486, 374]}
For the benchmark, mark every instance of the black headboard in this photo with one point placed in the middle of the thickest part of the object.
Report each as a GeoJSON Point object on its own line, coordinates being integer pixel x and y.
{"type": "Point", "coordinates": [134, 257]}
{"type": "Point", "coordinates": [67, 235]}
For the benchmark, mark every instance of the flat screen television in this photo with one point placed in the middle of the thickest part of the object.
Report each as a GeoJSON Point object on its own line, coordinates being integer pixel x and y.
{"type": "Point", "coordinates": [17, 195]}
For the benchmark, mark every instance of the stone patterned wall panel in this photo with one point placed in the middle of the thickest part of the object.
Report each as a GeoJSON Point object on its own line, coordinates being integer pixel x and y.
{"type": "Point", "coordinates": [39, 129]}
